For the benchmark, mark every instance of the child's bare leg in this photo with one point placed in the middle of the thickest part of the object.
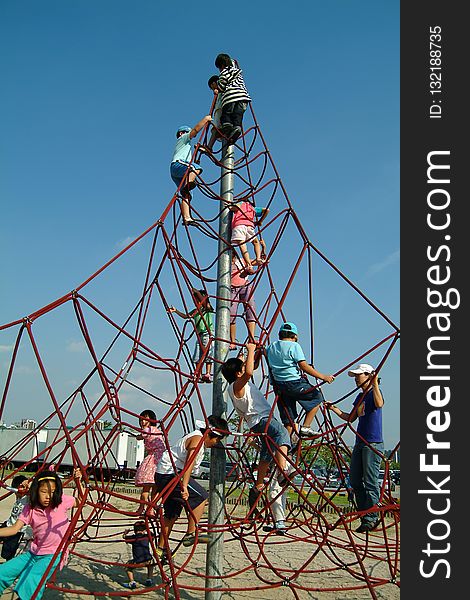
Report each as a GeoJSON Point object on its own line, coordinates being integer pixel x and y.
{"type": "Point", "coordinates": [281, 457]}
{"type": "Point", "coordinates": [185, 209]}
{"type": "Point", "coordinates": [263, 467]}
{"type": "Point", "coordinates": [167, 526]}
{"type": "Point", "coordinates": [233, 336]}
{"type": "Point", "coordinates": [246, 258]}
{"type": "Point", "coordinates": [195, 517]}
{"type": "Point", "coordinates": [310, 416]}
{"type": "Point", "coordinates": [251, 325]}
{"type": "Point", "coordinates": [263, 247]}
{"type": "Point", "coordinates": [130, 574]}
{"type": "Point", "coordinates": [144, 497]}
{"type": "Point", "coordinates": [214, 136]}
{"type": "Point", "coordinates": [192, 176]}
{"type": "Point", "coordinates": [257, 249]}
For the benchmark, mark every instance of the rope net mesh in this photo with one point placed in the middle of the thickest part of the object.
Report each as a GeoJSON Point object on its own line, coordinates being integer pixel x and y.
{"type": "Point", "coordinates": [127, 352]}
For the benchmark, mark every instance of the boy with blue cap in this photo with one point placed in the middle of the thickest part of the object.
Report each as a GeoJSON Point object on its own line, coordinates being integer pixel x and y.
{"type": "Point", "coordinates": [289, 369]}
{"type": "Point", "coordinates": [181, 166]}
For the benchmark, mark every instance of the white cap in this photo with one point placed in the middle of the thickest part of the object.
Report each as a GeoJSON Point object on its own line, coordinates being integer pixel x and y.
{"type": "Point", "coordinates": [362, 368]}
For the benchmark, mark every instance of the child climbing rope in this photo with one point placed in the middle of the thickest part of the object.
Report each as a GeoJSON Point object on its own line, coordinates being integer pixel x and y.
{"type": "Point", "coordinates": [241, 293]}
{"type": "Point", "coordinates": [288, 370]}
{"type": "Point", "coordinates": [204, 325]}
{"type": "Point", "coordinates": [181, 461]}
{"type": "Point", "coordinates": [235, 97]}
{"type": "Point", "coordinates": [251, 406]}
{"type": "Point", "coordinates": [46, 513]}
{"type": "Point", "coordinates": [154, 446]}
{"type": "Point", "coordinates": [216, 113]}
{"type": "Point", "coordinates": [182, 172]}
{"type": "Point", "coordinates": [243, 230]}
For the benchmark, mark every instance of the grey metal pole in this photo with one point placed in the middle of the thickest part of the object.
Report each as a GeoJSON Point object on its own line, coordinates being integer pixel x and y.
{"type": "Point", "coordinates": [215, 554]}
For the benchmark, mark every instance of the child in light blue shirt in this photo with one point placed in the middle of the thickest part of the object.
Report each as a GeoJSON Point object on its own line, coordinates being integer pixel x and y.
{"type": "Point", "coordinates": [288, 369]}
{"type": "Point", "coordinates": [180, 167]}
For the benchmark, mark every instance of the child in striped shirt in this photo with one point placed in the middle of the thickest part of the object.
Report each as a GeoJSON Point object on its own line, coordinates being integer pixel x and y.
{"type": "Point", "coordinates": [234, 96]}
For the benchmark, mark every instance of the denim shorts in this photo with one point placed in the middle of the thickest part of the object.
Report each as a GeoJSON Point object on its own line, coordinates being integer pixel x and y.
{"type": "Point", "coordinates": [276, 435]}
{"type": "Point", "coordinates": [291, 392]}
{"type": "Point", "coordinates": [178, 171]}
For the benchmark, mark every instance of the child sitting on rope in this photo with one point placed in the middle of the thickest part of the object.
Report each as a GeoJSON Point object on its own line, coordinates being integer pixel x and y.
{"type": "Point", "coordinates": [252, 407]}
{"type": "Point", "coordinates": [235, 97]}
{"type": "Point", "coordinates": [243, 230]}
{"type": "Point", "coordinates": [288, 371]}
{"type": "Point", "coordinates": [182, 172]}
{"type": "Point", "coordinates": [141, 556]}
{"type": "Point", "coordinates": [204, 325]}
{"type": "Point", "coordinates": [180, 462]}
{"type": "Point", "coordinates": [46, 513]}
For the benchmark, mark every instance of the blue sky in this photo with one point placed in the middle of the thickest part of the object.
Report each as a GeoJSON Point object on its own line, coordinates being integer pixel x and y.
{"type": "Point", "coordinates": [92, 95]}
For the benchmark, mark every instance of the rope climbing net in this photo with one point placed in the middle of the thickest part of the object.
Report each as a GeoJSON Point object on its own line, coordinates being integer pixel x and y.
{"type": "Point", "coordinates": [133, 353]}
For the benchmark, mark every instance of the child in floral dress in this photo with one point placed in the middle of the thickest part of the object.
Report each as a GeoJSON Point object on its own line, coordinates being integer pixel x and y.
{"type": "Point", "coordinates": [154, 447]}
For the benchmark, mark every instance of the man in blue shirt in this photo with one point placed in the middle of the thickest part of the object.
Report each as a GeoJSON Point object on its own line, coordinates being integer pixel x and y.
{"type": "Point", "coordinates": [289, 369]}
{"type": "Point", "coordinates": [368, 449]}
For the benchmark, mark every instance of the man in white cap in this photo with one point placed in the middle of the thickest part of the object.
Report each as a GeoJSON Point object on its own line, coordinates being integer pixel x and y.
{"type": "Point", "coordinates": [368, 449]}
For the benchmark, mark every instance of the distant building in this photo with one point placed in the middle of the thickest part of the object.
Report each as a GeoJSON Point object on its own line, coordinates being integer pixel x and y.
{"type": "Point", "coordinates": [28, 424]}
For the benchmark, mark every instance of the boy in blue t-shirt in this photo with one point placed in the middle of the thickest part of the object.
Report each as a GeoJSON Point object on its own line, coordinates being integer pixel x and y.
{"type": "Point", "coordinates": [369, 447]}
{"type": "Point", "coordinates": [288, 369]}
{"type": "Point", "coordinates": [180, 167]}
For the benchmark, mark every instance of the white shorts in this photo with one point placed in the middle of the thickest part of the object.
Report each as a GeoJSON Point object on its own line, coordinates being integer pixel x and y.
{"type": "Point", "coordinates": [242, 233]}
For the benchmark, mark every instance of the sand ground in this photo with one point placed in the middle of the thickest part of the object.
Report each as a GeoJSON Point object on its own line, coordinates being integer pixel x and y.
{"type": "Point", "coordinates": [327, 559]}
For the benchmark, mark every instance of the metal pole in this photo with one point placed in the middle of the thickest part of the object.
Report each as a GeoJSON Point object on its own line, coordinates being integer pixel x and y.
{"type": "Point", "coordinates": [215, 554]}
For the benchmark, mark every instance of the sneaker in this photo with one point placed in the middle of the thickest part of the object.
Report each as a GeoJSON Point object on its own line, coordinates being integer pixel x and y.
{"type": "Point", "coordinates": [189, 222]}
{"type": "Point", "coordinates": [366, 526]}
{"type": "Point", "coordinates": [309, 432]}
{"type": "Point", "coordinates": [130, 585]}
{"type": "Point", "coordinates": [190, 539]}
{"type": "Point", "coordinates": [280, 527]}
{"type": "Point", "coordinates": [206, 379]}
{"type": "Point", "coordinates": [234, 135]}
{"type": "Point", "coordinates": [148, 582]}
{"type": "Point", "coordinates": [284, 477]}
{"type": "Point", "coordinates": [226, 129]}
{"type": "Point", "coordinates": [161, 555]}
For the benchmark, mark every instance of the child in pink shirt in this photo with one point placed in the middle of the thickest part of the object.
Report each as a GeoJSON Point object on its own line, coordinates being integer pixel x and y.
{"type": "Point", "coordinates": [47, 516]}
{"type": "Point", "coordinates": [243, 230]}
{"type": "Point", "coordinates": [242, 292]}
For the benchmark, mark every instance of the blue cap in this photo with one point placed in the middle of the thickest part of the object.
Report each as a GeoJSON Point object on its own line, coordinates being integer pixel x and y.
{"type": "Point", "coordinates": [184, 128]}
{"type": "Point", "coordinates": [292, 327]}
